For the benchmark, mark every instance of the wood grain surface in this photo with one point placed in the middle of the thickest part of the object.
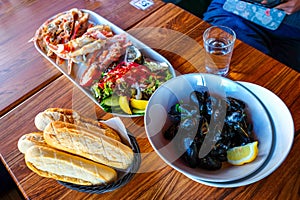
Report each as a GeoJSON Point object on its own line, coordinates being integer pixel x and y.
{"type": "Point", "coordinates": [156, 180]}
{"type": "Point", "coordinates": [186, 54]}
{"type": "Point", "coordinates": [22, 70]}
{"type": "Point", "coordinates": [177, 35]}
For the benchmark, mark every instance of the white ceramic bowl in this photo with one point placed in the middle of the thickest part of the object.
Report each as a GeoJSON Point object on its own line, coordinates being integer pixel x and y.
{"type": "Point", "coordinates": [179, 89]}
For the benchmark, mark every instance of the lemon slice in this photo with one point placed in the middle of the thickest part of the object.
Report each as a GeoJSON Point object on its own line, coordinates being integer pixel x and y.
{"type": "Point", "coordinates": [242, 154]}
{"type": "Point", "coordinates": [124, 104]}
{"type": "Point", "coordinates": [138, 104]}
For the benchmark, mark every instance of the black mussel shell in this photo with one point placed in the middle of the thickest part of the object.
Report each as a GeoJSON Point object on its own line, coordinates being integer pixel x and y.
{"type": "Point", "coordinates": [191, 154]}
{"type": "Point", "coordinates": [192, 120]}
{"type": "Point", "coordinates": [171, 132]}
{"type": "Point", "coordinates": [210, 163]}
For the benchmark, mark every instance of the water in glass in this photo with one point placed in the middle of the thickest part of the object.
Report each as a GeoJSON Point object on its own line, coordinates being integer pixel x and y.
{"type": "Point", "coordinates": [217, 57]}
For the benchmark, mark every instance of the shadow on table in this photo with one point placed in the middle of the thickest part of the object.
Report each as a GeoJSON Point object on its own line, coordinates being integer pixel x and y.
{"type": "Point", "coordinates": [8, 188]}
{"type": "Point", "coordinates": [196, 7]}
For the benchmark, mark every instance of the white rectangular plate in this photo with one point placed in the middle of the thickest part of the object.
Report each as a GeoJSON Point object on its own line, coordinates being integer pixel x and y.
{"type": "Point", "coordinates": [78, 70]}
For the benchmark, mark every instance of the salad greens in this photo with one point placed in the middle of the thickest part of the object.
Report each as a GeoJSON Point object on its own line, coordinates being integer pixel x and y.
{"type": "Point", "coordinates": [133, 80]}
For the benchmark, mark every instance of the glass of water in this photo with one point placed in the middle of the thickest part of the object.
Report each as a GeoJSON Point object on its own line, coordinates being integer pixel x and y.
{"type": "Point", "coordinates": [218, 43]}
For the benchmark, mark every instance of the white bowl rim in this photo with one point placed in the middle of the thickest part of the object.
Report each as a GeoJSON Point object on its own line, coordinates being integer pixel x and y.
{"type": "Point", "coordinates": [214, 176]}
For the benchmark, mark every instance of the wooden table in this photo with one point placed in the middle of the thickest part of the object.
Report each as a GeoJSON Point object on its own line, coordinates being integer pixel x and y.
{"type": "Point", "coordinates": [23, 71]}
{"type": "Point", "coordinates": [35, 85]}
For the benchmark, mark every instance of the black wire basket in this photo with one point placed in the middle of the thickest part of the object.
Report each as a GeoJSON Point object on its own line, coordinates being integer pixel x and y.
{"type": "Point", "coordinates": [122, 180]}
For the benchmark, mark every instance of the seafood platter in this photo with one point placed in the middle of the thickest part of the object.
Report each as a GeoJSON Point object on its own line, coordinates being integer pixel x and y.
{"type": "Point", "coordinates": [115, 70]}
{"type": "Point", "coordinates": [193, 126]}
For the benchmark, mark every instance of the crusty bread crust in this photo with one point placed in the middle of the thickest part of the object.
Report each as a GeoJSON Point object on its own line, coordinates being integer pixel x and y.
{"type": "Point", "coordinates": [81, 141]}
{"type": "Point", "coordinates": [74, 149]}
{"type": "Point", "coordinates": [73, 117]}
{"type": "Point", "coordinates": [52, 163]}
{"type": "Point", "coordinates": [30, 139]}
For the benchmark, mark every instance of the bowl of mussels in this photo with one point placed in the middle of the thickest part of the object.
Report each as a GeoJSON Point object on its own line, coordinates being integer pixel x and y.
{"type": "Point", "coordinates": [209, 128]}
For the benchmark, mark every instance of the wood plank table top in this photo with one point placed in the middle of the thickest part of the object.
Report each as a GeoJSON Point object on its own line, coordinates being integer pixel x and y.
{"type": "Point", "coordinates": [177, 35]}
{"type": "Point", "coordinates": [22, 70]}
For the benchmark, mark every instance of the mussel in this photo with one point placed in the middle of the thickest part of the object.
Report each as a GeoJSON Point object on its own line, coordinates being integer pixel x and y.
{"type": "Point", "coordinates": [191, 124]}
{"type": "Point", "coordinates": [171, 132]}
{"type": "Point", "coordinates": [182, 111]}
{"type": "Point", "coordinates": [191, 152]}
{"type": "Point", "coordinates": [210, 163]}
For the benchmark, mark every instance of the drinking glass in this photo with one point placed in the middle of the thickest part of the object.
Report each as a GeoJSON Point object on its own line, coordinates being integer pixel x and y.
{"type": "Point", "coordinates": [218, 43]}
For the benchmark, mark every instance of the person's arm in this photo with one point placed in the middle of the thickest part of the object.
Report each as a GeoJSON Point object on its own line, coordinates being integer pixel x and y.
{"type": "Point", "coordinates": [289, 6]}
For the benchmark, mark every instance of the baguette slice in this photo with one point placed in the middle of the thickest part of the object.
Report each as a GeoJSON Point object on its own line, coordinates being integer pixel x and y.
{"type": "Point", "coordinates": [73, 117]}
{"type": "Point", "coordinates": [30, 139]}
{"type": "Point", "coordinates": [52, 163]}
{"type": "Point", "coordinates": [83, 142]}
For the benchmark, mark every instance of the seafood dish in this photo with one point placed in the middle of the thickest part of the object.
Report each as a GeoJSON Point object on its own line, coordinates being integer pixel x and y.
{"type": "Point", "coordinates": [193, 121]}
{"type": "Point", "coordinates": [209, 127]}
{"type": "Point", "coordinates": [115, 70]}
{"type": "Point", "coordinates": [136, 78]}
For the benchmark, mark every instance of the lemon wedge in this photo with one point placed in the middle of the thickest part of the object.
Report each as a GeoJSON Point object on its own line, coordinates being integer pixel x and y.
{"type": "Point", "coordinates": [138, 104]}
{"type": "Point", "coordinates": [242, 154]}
{"type": "Point", "coordinates": [124, 104]}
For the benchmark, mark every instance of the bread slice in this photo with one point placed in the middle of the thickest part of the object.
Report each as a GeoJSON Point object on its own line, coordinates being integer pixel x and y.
{"type": "Point", "coordinates": [30, 139]}
{"type": "Point", "coordinates": [68, 115]}
{"type": "Point", "coordinates": [59, 165]}
{"type": "Point", "coordinates": [80, 141]}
